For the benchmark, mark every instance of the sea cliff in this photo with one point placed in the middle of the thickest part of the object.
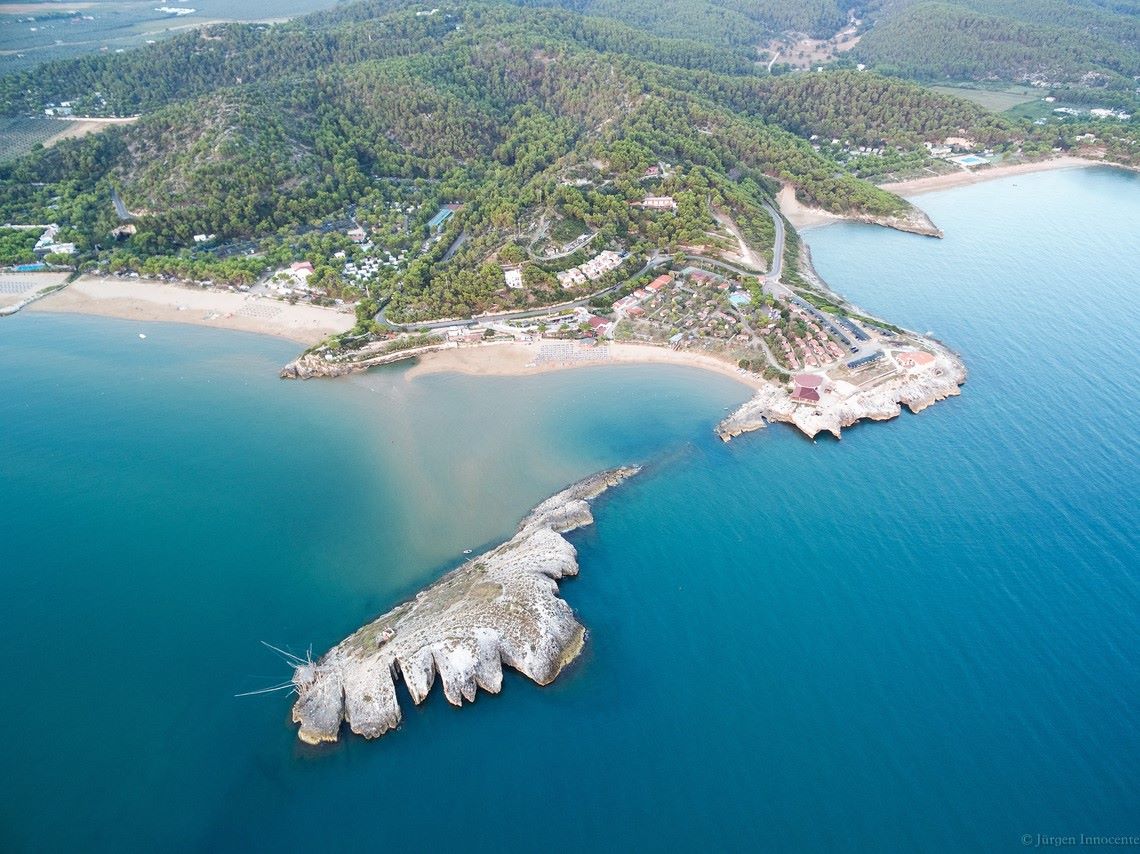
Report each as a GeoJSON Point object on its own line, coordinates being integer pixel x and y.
{"type": "Point", "coordinates": [501, 607]}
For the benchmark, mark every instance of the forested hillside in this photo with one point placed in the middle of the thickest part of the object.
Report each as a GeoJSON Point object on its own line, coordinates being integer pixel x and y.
{"type": "Point", "coordinates": [1081, 51]}
{"type": "Point", "coordinates": [239, 137]}
{"type": "Point", "coordinates": [935, 40]}
{"type": "Point", "coordinates": [525, 126]}
{"type": "Point", "coordinates": [862, 108]}
{"type": "Point", "coordinates": [728, 22]}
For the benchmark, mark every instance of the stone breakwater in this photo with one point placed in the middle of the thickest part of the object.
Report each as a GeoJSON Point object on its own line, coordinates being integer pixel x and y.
{"type": "Point", "coordinates": [843, 404]}
{"type": "Point", "coordinates": [499, 608]}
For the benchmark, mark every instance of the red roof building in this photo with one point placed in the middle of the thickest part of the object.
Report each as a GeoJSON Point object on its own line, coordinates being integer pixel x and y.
{"type": "Point", "coordinates": [807, 387]}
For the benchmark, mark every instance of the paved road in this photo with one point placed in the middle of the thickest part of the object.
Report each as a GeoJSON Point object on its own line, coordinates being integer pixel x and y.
{"type": "Point", "coordinates": [778, 246]}
{"type": "Point", "coordinates": [454, 247]}
{"type": "Point", "coordinates": [699, 260]}
{"type": "Point", "coordinates": [772, 283]}
{"type": "Point", "coordinates": [120, 208]}
{"type": "Point", "coordinates": [771, 280]}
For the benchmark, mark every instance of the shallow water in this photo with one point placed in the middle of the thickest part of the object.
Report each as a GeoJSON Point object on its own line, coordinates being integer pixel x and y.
{"type": "Point", "coordinates": [922, 636]}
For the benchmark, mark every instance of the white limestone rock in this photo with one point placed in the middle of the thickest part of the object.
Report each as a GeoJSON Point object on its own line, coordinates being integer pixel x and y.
{"type": "Point", "coordinates": [499, 608]}
{"type": "Point", "coordinates": [914, 389]}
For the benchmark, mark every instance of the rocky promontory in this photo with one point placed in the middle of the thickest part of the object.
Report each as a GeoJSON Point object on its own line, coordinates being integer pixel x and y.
{"type": "Point", "coordinates": [910, 376]}
{"type": "Point", "coordinates": [316, 365]}
{"type": "Point", "coordinates": [501, 607]}
{"type": "Point", "coordinates": [913, 221]}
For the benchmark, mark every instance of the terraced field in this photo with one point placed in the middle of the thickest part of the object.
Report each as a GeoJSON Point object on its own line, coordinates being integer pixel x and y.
{"type": "Point", "coordinates": [19, 136]}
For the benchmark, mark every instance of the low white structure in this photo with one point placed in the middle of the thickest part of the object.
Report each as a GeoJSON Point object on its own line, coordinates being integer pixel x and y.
{"type": "Point", "coordinates": [595, 268]}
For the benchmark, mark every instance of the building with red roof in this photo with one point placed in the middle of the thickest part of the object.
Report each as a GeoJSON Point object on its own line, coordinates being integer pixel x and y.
{"type": "Point", "coordinates": [808, 387]}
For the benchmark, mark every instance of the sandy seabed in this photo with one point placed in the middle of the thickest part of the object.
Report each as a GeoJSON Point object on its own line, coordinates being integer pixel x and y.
{"type": "Point", "coordinates": [519, 359]}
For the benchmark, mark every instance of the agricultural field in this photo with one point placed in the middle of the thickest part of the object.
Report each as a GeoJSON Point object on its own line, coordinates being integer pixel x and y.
{"type": "Point", "coordinates": [20, 135]}
{"type": "Point", "coordinates": [36, 32]}
{"type": "Point", "coordinates": [997, 100]}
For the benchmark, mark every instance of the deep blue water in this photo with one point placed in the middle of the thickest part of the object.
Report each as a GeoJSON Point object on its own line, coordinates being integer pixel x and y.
{"type": "Point", "coordinates": [923, 637]}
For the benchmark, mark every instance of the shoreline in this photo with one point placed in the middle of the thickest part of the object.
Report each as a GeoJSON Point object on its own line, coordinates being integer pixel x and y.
{"type": "Point", "coordinates": [918, 186]}
{"type": "Point", "coordinates": [163, 302]}
{"type": "Point", "coordinates": [514, 359]}
{"type": "Point", "coordinates": [803, 216]}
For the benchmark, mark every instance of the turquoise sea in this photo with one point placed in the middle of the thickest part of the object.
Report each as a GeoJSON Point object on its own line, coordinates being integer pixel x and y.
{"type": "Point", "coordinates": [922, 637]}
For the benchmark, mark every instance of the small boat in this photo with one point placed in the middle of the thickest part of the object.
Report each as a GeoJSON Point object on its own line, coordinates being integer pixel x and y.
{"type": "Point", "coordinates": [141, 335]}
{"type": "Point", "coordinates": [467, 551]}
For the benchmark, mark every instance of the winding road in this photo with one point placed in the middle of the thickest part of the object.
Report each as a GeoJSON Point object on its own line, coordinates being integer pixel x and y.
{"type": "Point", "coordinates": [653, 263]}
{"type": "Point", "coordinates": [771, 282]}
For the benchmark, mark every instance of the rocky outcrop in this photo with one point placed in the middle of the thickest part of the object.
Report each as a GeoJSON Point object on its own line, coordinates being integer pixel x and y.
{"type": "Point", "coordinates": [884, 400]}
{"type": "Point", "coordinates": [316, 366]}
{"type": "Point", "coordinates": [499, 608]}
{"type": "Point", "coordinates": [310, 366]}
{"type": "Point", "coordinates": [914, 221]}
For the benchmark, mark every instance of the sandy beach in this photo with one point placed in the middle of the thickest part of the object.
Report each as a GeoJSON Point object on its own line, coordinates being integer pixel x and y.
{"type": "Point", "coordinates": [964, 178]}
{"type": "Point", "coordinates": [17, 287]}
{"type": "Point", "coordinates": [136, 299]}
{"type": "Point", "coordinates": [799, 214]}
{"type": "Point", "coordinates": [802, 216]}
{"type": "Point", "coordinates": [517, 359]}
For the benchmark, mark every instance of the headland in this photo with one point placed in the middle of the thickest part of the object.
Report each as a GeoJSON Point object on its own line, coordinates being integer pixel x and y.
{"type": "Point", "coordinates": [804, 216]}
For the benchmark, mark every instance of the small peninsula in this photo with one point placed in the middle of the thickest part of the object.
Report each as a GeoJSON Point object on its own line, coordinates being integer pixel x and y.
{"type": "Point", "coordinates": [501, 607]}
{"type": "Point", "coordinates": [816, 361]}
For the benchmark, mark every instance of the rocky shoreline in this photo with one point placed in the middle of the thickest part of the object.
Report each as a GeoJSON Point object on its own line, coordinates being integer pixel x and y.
{"type": "Point", "coordinates": [914, 221]}
{"type": "Point", "coordinates": [501, 607]}
{"type": "Point", "coordinates": [309, 366]}
{"type": "Point", "coordinates": [916, 371]}
{"type": "Point", "coordinates": [914, 387]}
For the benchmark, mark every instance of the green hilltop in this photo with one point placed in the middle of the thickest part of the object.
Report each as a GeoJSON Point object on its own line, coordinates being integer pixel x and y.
{"type": "Point", "coordinates": [259, 145]}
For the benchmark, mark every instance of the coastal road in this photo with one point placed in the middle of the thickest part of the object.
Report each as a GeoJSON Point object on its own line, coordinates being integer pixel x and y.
{"type": "Point", "coordinates": [772, 283]}
{"type": "Point", "coordinates": [778, 246]}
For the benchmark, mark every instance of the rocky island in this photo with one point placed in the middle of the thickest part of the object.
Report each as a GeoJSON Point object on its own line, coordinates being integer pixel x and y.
{"type": "Point", "coordinates": [501, 607]}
